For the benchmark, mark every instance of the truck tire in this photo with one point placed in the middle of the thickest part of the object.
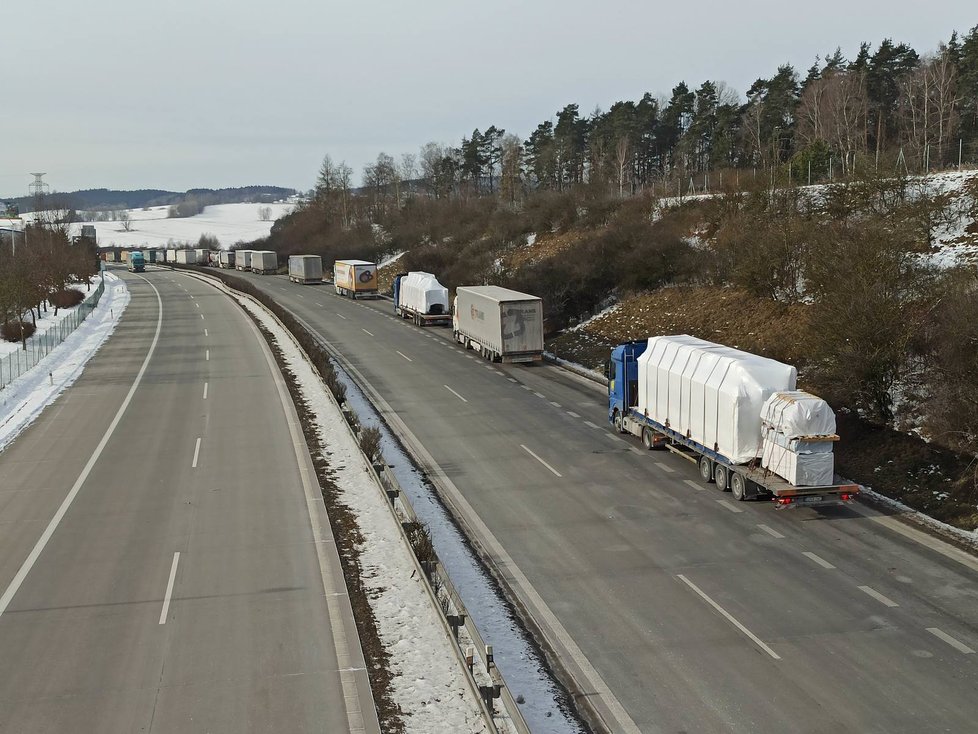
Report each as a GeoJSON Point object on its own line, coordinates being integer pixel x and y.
{"type": "Point", "coordinates": [619, 425]}
{"type": "Point", "coordinates": [706, 469]}
{"type": "Point", "coordinates": [721, 475]}
{"type": "Point", "coordinates": [648, 440]}
{"type": "Point", "coordinates": [738, 487]}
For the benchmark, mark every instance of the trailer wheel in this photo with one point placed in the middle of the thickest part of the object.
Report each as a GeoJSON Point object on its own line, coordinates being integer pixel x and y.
{"type": "Point", "coordinates": [706, 469]}
{"type": "Point", "coordinates": [619, 425]}
{"type": "Point", "coordinates": [722, 477]}
{"type": "Point", "coordinates": [738, 487]}
{"type": "Point", "coordinates": [648, 440]}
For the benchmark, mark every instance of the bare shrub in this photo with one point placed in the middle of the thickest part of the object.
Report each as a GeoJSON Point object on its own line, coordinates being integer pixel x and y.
{"type": "Point", "coordinates": [66, 298]}
{"type": "Point", "coordinates": [15, 331]}
{"type": "Point", "coordinates": [370, 443]}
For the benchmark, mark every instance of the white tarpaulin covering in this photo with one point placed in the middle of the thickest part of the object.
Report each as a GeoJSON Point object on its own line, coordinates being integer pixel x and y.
{"type": "Point", "coordinates": [793, 423]}
{"type": "Point", "coordinates": [797, 413]}
{"type": "Point", "coordinates": [710, 393]}
{"type": "Point", "coordinates": [423, 293]}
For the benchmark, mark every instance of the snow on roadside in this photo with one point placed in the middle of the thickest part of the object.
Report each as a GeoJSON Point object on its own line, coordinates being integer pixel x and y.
{"type": "Point", "coordinates": [22, 401]}
{"type": "Point", "coordinates": [427, 681]}
{"type": "Point", "coordinates": [47, 319]}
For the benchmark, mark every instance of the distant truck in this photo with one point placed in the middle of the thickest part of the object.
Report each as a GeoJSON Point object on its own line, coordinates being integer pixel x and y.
{"type": "Point", "coordinates": [242, 259]}
{"type": "Point", "coordinates": [421, 298]}
{"type": "Point", "coordinates": [186, 257]}
{"type": "Point", "coordinates": [736, 415]}
{"type": "Point", "coordinates": [501, 324]}
{"type": "Point", "coordinates": [225, 259]}
{"type": "Point", "coordinates": [305, 269]}
{"type": "Point", "coordinates": [137, 262]}
{"type": "Point", "coordinates": [264, 262]}
{"type": "Point", "coordinates": [171, 255]}
{"type": "Point", "coordinates": [355, 278]}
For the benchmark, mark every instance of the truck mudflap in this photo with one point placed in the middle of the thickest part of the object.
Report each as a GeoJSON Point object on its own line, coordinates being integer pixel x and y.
{"type": "Point", "coordinates": [816, 496]}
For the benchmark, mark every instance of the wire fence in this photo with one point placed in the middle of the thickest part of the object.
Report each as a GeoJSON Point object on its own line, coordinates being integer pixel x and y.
{"type": "Point", "coordinates": [41, 343]}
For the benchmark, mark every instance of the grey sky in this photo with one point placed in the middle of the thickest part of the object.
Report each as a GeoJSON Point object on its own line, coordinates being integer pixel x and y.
{"type": "Point", "coordinates": [106, 93]}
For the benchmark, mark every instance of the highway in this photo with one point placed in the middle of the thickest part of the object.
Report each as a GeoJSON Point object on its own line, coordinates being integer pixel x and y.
{"type": "Point", "coordinates": [673, 607]}
{"type": "Point", "coordinates": [164, 563]}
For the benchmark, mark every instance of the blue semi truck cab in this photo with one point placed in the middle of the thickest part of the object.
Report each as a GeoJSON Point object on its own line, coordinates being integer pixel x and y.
{"type": "Point", "coordinates": [623, 380]}
{"type": "Point", "coordinates": [137, 263]}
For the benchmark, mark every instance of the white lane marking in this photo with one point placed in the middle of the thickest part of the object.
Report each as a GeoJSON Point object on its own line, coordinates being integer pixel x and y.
{"type": "Point", "coordinates": [729, 505]}
{"type": "Point", "coordinates": [666, 469]}
{"type": "Point", "coordinates": [589, 423]}
{"type": "Point", "coordinates": [191, 296]}
{"type": "Point", "coordinates": [556, 405]}
{"type": "Point", "coordinates": [613, 437]}
{"type": "Point", "coordinates": [698, 486]}
{"type": "Point", "coordinates": [499, 372]}
{"type": "Point", "coordinates": [770, 531]}
{"type": "Point", "coordinates": [557, 473]}
{"type": "Point", "coordinates": [511, 379]}
{"type": "Point", "coordinates": [299, 295]}
{"type": "Point", "coordinates": [818, 559]}
{"type": "Point", "coordinates": [455, 394]}
{"type": "Point", "coordinates": [169, 588]}
{"type": "Point", "coordinates": [405, 356]}
{"type": "Point", "coordinates": [196, 453]}
{"type": "Point", "coordinates": [540, 395]}
{"type": "Point", "coordinates": [635, 450]}
{"type": "Point", "coordinates": [365, 331]}
{"type": "Point", "coordinates": [197, 305]}
{"type": "Point", "coordinates": [470, 356]}
{"type": "Point", "coordinates": [341, 316]}
{"type": "Point", "coordinates": [489, 367]}
{"type": "Point", "coordinates": [205, 333]}
{"type": "Point", "coordinates": [202, 317]}
{"type": "Point", "coordinates": [205, 391]}
{"type": "Point", "coordinates": [956, 644]}
{"type": "Point", "coordinates": [878, 596]}
{"type": "Point", "coordinates": [526, 387]}
{"type": "Point", "coordinates": [572, 414]}
{"type": "Point", "coordinates": [39, 546]}
{"type": "Point", "coordinates": [207, 355]}
{"type": "Point", "coordinates": [321, 305]}
{"type": "Point", "coordinates": [730, 618]}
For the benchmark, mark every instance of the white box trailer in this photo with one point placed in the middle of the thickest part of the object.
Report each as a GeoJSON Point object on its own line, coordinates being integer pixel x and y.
{"type": "Point", "coordinates": [225, 259]}
{"type": "Point", "coordinates": [264, 261]}
{"type": "Point", "coordinates": [355, 278]}
{"type": "Point", "coordinates": [305, 269]}
{"type": "Point", "coordinates": [171, 256]}
{"type": "Point", "coordinates": [499, 323]}
{"type": "Point", "coordinates": [242, 259]}
{"type": "Point", "coordinates": [186, 257]}
{"type": "Point", "coordinates": [202, 257]}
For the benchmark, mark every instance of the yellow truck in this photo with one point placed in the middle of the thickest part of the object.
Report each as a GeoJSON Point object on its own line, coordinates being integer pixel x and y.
{"type": "Point", "coordinates": [355, 278]}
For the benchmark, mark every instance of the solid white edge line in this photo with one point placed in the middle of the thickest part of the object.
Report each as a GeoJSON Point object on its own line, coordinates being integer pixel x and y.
{"type": "Point", "coordinates": [818, 559]}
{"type": "Point", "coordinates": [729, 617]}
{"type": "Point", "coordinates": [769, 530]}
{"type": "Point", "coordinates": [35, 553]}
{"type": "Point", "coordinates": [404, 355]}
{"type": "Point", "coordinates": [196, 452]}
{"type": "Point", "coordinates": [169, 588]}
{"type": "Point", "coordinates": [956, 644]}
{"type": "Point", "coordinates": [205, 391]}
{"type": "Point", "coordinates": [455, 394]}
{"type": "Point", "coordinates": [885, 600]}
{"type": "Point", "coordinates": [557, 473]}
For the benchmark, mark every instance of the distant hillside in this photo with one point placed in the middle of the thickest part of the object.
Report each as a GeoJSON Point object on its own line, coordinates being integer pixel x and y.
{"type": "Point", "coordinates": [111, 199]}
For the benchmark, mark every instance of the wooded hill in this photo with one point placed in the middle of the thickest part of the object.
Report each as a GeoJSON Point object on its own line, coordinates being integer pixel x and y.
{"type": "Point", "coordinates": [113, 200]}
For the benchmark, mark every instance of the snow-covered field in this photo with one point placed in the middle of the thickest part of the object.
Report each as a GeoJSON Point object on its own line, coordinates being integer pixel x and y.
{"type": "Point", "coordinates": [150, 228]}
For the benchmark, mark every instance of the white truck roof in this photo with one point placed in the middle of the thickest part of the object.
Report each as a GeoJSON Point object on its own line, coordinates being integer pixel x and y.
{"type": "Point", "coordinates": [498, 293]}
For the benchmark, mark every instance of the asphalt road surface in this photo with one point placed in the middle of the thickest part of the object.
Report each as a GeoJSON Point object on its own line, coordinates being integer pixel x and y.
{"type": "Point", "coordinates": [163, 562]}
{"type": "Point", "coordinates": [672, 606]}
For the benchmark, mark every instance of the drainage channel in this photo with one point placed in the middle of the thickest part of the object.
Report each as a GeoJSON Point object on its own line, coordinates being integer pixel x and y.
{"type": "Point", "coordinates": [543, 702]}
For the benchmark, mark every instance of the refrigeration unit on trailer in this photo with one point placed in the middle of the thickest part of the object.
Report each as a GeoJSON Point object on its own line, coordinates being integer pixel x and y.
{"type": "Point", "coordinates": [355, 278]}
{"type": "Point", "coordinates": [739, 416]}
{"type": "Point", "coordinates": [305, 269]}
{"type": "Point", "coordinates": [421, 298]}
{"type": "Point", "coordinates": [501, 324]}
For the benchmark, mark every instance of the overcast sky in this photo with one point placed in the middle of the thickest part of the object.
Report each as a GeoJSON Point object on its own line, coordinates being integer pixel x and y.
{"type": "Point", "coordinates": [174, 95]}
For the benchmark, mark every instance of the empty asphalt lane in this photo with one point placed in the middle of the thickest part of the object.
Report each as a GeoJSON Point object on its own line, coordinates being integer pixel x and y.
{"type": "Point", "coordinates": [245, 641]}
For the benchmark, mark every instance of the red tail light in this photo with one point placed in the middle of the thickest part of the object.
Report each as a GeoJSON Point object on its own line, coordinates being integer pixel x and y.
{"type": "Point", "coordinates": [845, 496]}
{"type": "Point", "coordinates": [783, 500]}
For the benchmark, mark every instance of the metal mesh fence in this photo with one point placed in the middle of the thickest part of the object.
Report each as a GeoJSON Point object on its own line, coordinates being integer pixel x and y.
{"type": "Point", "coordinates": [41, 343]}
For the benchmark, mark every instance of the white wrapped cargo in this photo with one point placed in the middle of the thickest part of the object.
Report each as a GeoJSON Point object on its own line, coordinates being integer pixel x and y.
{"type": "Point", "coordinates": [798, 430]}
{"type": "Point", "coordinates": [422, 293]}
{"type": "Point", "coordinates": [709, 393]}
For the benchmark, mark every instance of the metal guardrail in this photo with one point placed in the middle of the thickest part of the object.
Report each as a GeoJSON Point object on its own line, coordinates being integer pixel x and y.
{"type": "Point", "coordinates": [485, 677]}
{"type": "Point", "coordinates": [40, 344]}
